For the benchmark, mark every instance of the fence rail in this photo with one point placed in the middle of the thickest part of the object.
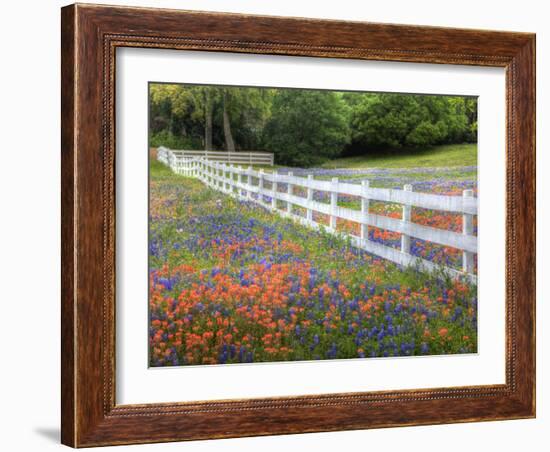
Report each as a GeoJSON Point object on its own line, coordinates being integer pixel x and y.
{"type": "Point", "coordinates": [251, 158]}
{"type": "Point", "coordinates": [247, 183]}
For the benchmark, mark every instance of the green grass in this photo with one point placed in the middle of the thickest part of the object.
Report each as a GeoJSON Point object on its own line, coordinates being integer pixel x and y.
{"type": "Point", "coordinates": [159, 170]}
{"type": "Point", "coordinates": [447, 156]}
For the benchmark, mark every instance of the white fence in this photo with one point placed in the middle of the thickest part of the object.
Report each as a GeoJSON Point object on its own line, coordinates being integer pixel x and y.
{"type": "Point", "coordinates": [246, 183]}
{"type": "Point", "coordinates": [238, 158]}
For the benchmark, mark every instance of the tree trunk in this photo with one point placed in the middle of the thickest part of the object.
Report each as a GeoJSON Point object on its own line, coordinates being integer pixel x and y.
{"type": "Point", "coordinates": [208, 122]}
{"type": "Point", "coordinates": [229, 143]}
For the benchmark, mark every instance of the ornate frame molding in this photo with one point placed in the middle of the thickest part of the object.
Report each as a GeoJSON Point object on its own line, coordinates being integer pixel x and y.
{"type": "Point", "coordinates": [90, 37]}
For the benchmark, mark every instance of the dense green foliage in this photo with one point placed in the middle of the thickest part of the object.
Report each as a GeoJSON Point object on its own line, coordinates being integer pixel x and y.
{"type": "Point", "coordinates": [397, 120]}
{"type": "Point", "coordinates": [306, 127]}
{"type": "Point", "coordinates": [208, 117]}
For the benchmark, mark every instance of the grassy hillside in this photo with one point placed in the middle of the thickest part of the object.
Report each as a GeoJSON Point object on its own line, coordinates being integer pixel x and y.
{"type": "Point", "coordinates": [447, 155]}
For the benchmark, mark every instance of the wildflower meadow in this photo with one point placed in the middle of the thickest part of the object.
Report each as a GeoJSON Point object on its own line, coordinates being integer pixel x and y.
{"type": "Point", "coordinates": [232, 282]}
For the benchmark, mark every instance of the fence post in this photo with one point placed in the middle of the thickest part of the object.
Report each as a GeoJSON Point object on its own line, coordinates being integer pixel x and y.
{"type": "Point", "coordinates": [467, 229]}
{"type": "Point", "coordinates": [231, 179]}
{"type": "Point", "coordinates": [365, 210]}
{"type": "Point", "coordinates": [212, 173]}
{"type": "Point", "coordinates": [226, 173]}
{"type": "Point", "coordinates": [261, 186]}
{"type": "Point", "coordinates": [333, 202]}
{"type": "Point", "coordinates": [309, 212]}
{"type": "Point", "coordinates": [274, 191]}
{"type": "Point", "coordinates": [239, 180]}
{"type": "Point", "coordinates": [249, 182]}
{"type": "Point", "coordinates": [226, 176]}
{"type": "Point", "coordinates": [289, 192]}
{"type": "Point", "coordinates": [406, 239]}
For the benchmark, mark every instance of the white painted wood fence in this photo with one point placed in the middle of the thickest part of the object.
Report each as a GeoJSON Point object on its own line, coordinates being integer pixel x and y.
{"type": "Point", "coordinates": [249, 184]}
{"type": "Point", "coordinates": [238, 158]}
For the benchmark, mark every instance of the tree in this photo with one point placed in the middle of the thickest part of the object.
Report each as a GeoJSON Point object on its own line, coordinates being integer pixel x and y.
{"type": "Point", "coordinates": [403, 120]}
{"type": "Point", "coordinates": [244, 112]}
{"type": "Point", "coordinates": [224, 117]}
{"type": "Point", "coordinates": [207, 108]}
{"type": "Point", "coordinates": [307, 127]}
{"type": "Point", "coordinates": [229, 142]}
{"type": "Point", "coordinates": [181, 108]}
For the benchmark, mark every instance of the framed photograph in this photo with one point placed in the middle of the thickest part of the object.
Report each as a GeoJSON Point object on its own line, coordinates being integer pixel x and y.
{"type": "Point", "coordinates": [281, 225]}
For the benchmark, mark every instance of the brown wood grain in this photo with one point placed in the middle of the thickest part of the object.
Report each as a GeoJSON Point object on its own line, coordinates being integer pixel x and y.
{"type": "Point", "coordinates": [67, 227]}
{"type": "Point", "coordinates": [90, 36]}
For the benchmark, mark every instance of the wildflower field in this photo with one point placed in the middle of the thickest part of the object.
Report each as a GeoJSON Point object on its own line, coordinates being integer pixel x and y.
{"type": "Point", "coordinates": [231, 282]}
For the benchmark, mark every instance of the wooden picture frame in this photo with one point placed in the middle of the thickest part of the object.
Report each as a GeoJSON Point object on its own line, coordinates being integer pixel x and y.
{"type": "Point", "coordinates": [90, 36]}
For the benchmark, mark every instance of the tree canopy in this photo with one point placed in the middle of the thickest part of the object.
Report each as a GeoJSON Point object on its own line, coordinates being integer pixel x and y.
{"type": "Point", "coordinates": [397, 121]}
{"type": "Point", "coordinates": [305, 127]}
